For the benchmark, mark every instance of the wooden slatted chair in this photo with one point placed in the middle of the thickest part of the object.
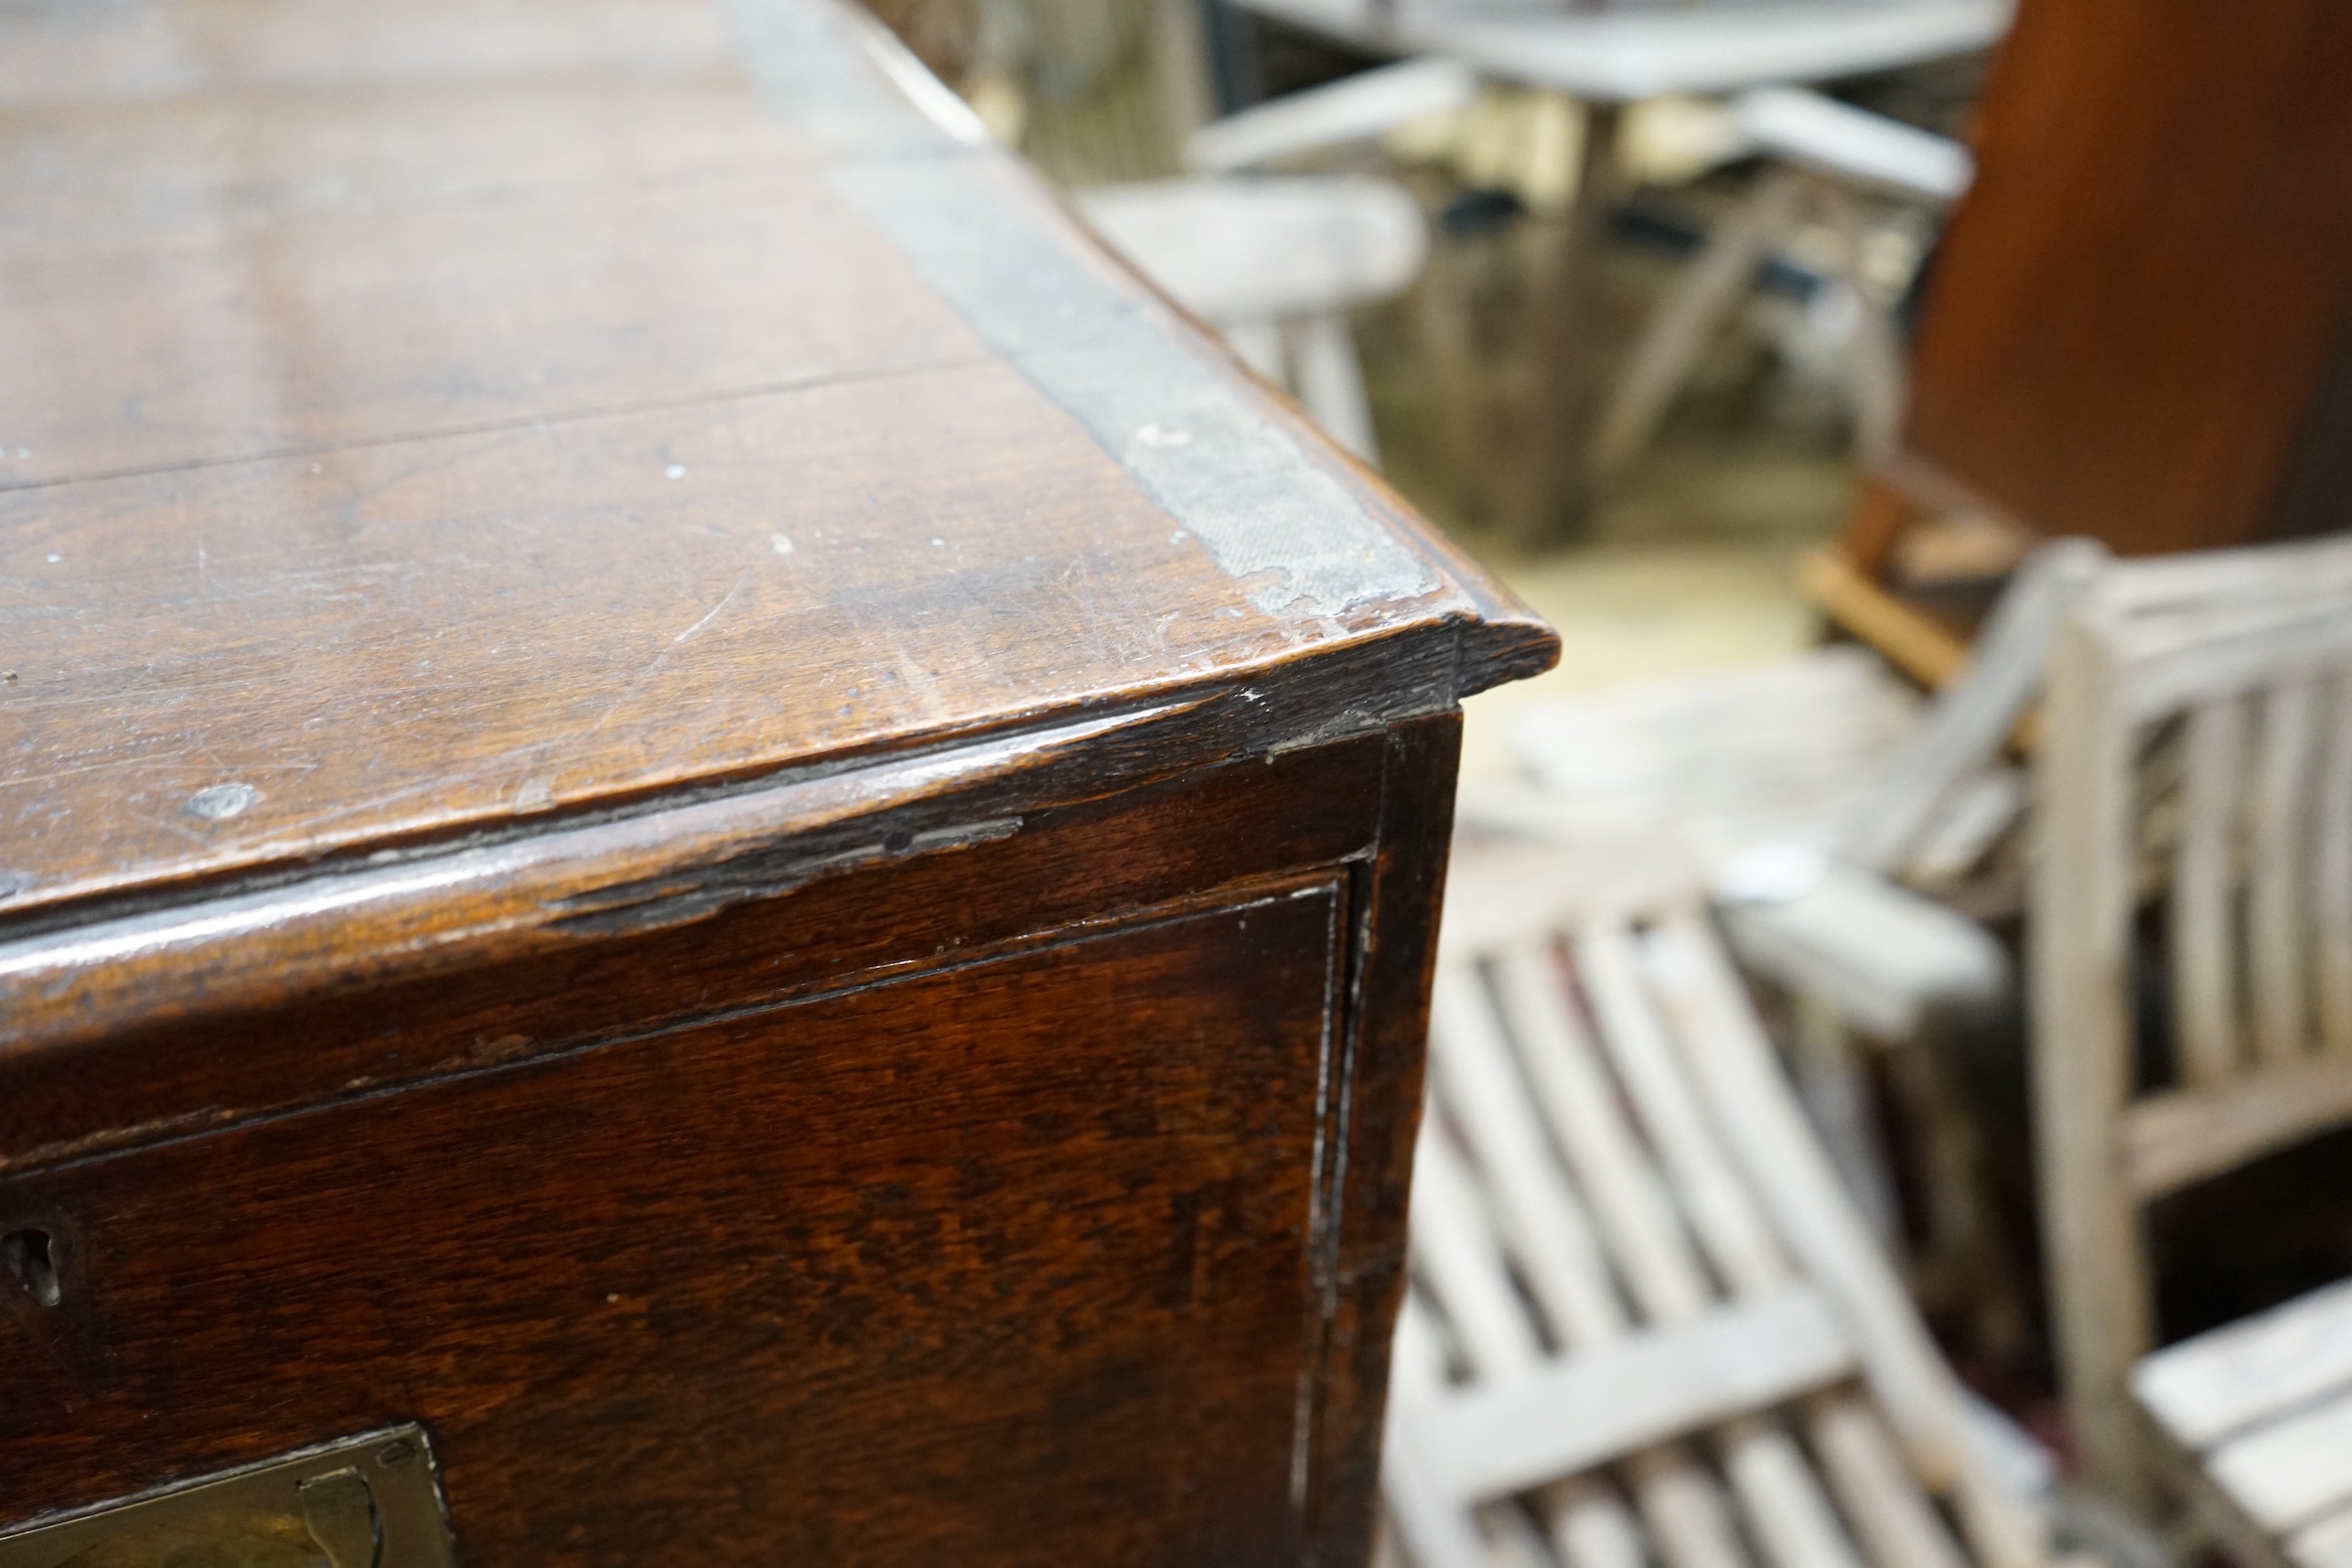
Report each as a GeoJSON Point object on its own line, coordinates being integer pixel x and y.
{"type": "Point", "coordinates": [2215, 693]}
{"type": "Point", "coordinates": [1645, 1322]}
{"type": "Point", "coordinates": [1821, 757]}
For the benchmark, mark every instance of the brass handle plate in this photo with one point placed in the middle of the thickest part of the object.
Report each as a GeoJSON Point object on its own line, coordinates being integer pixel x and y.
{"type": "Point", "coordinates": [369, 1502]}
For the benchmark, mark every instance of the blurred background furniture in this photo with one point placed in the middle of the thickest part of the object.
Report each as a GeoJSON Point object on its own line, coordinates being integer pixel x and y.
{"type": "Point", "coordinates": [1852, 838]}
{"type": "Point", "coordinates": [1823, 798]}
{"type": "Point", "coordinates": [1822, 150]}
{"type": "Point", "coordinates": [1609, 56]}
{"type": "Point", "coordinates": [1642, 1279]}
{"type": "Point", "coordinates": [1830, 751]}
{"type": "Point", "coordinates": [2209, 695]}
{"type": "Point", "coordinates": [2158, 172]}
{"type": "Point", "coordinates": [1274, 264]}
{"type": "Point", "coordinates": [2134, 329]}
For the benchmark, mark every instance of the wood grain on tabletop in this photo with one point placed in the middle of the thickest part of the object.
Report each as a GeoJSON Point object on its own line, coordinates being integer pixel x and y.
{"type": "Point", "coordinates": [2134, 325]}
{"type": "Point", "coordinates": [394, 427]}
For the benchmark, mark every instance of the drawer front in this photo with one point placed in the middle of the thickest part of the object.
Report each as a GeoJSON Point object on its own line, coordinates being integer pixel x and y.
{"type": "Point", "coordinates": [1012, 1262]}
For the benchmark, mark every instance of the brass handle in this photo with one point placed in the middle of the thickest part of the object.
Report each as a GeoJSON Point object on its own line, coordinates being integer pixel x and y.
{"type": "Point", "coordinates": [339, 1511]}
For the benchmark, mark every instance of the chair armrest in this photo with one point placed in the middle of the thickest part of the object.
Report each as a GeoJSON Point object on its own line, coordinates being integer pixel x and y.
{"type": "Point", "coordinates": [1886, 960]}
{"type": "Point", "coordinates": [1818, 132]}
{"type": "Point", "coordinates": [1353, 109]}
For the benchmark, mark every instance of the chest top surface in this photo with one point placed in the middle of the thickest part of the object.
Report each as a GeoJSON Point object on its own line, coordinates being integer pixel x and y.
{"type": "Point", "coordinates": [427, 420]}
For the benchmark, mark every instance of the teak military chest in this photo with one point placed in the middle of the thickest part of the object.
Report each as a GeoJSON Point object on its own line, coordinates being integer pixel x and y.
{"type": "Point", "coordinates": [712, 852]}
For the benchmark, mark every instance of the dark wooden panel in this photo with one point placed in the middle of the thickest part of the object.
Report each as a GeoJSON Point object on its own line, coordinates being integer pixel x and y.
{"type": "Point", "coordinates": [2135, 306]}
{"type": "Point", "coordinates": [1399, 891]}
{"type": "Point", "coordinates": [1003, 1265]}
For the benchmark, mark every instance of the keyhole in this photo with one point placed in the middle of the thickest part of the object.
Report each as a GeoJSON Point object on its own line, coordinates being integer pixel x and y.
{"type": "Point", "coordinates": [29, 1257]}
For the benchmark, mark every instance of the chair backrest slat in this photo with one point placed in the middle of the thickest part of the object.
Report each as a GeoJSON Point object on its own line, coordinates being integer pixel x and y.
{"type": "Point", "coordinates": [1754, 1111]}
{"type": "Point", "coordinates": [2204, 890]}
{"type": "Point", "coordinates": [1459, 1256]}
{"type": "Point", "coordinates": [1969, 720]}
{"type": "Point", "coordinates": [1435, 1530]}
{"type": "Point", "coordinates": [1476, 1080]}
{"type": "Point", "coordinates": [2331, 863]}
{"type": "Point", "coordinates": [1886, 1511]}
{"type": "Point", "coordinates": [2282, 837]}
{"type": "Point", "coordinates": [1663, 1262]}
{"type": "Point", "coordinates": [1757, 1111]}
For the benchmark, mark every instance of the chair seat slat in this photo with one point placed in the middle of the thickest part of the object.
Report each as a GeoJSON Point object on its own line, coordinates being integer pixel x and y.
{"type": "Point", "coordinates": [2290, 1471]}
{"type": "Point", "coordinates": [2206, 1388]}
{"type": "Point", "coordinates": [2325, 1544]}
{"type": "Point", "coordinates": [1572, 1412]}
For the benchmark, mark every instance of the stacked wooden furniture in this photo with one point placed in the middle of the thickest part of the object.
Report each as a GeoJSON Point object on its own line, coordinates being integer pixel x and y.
{"type": "Point", "coordinates": [1646, 1325]}
{"type": "Point", "coordinates": [1829, 748]}
{"type": "Point", "coordinates": [2134, 329]}
{"type": "Point", "coordinates": [710, 851]}
{"type": "Point", "coordinates": [1852, 837]}
{"type": "Point", "coordinates": [1607, 56]}
{"type": "Point", "coordinates": [1822, 153]}
{"type": "Point", "coordinates": [2214, 692]}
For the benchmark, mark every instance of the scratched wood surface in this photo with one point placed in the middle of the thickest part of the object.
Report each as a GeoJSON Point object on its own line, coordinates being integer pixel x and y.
{"type": "Point", "coordinates": [683, 793]}
{"type": "Point", "coordinates": [421, 421]}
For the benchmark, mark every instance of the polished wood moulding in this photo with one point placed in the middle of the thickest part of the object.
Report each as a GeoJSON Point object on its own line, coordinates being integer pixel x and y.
{"type": "Point", "coordinates": [710, 851]}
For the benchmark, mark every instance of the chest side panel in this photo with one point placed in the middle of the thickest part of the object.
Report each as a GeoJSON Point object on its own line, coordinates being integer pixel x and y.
{"type": "Point", "coordinates": [1010, 1263]}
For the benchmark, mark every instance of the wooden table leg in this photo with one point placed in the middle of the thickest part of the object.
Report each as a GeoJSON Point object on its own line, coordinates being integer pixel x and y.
{"type": "Point", "coordinates": [1561, 472]}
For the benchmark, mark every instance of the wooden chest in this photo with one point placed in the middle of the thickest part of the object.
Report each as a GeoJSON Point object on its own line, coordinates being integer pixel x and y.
{"type": "Point", "coordinates": [699, 829]}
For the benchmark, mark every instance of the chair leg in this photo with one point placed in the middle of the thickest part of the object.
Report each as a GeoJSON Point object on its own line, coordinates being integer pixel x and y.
{"type": "Point", "coordinates": [1875, 372]}
{"type": "Point", "coordinates": [1457, 395]}
{"type": "Point", "coordinates": [1692, 312]}
{"type": "Point", "coordinates": [1258, 344]}
{"type": "Point", "coordinates": [1970, 1263]}
{"type": "Point", "coordinates": [1331, 382]}
{"type": "Point", "coordinates": [1881, 512]}
{"type": "Point", "coordinates": [2082, 897]}
{"type": "Point", "coordinates": [1830, 1081]}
